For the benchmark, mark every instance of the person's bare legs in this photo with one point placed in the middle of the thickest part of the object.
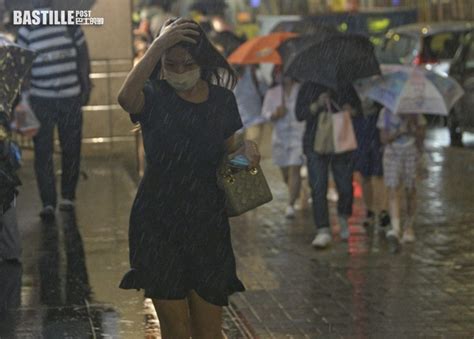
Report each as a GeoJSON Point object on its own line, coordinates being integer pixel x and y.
{"type": "Point", "coordinates": [410, 200]}
{"type": "Point", "coordinates": [285, 172]}
{"type": "Point", "coordinates": [174, 318]}
{"type": "Point", "coordinates": [393, 235]}
{"type": "Point", "coordinates": [368, 193]}
{"type": "Point", "coordinates": [294, 183]}
{"type": "Point", "coordinates": [380, 201]}
{"type": "Point", "coordinates": [394, 207]}
{"type": "Point", "coordinates": [206, 318]}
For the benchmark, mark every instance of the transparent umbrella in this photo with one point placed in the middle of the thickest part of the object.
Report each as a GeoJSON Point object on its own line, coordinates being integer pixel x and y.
{"type": "Point", "coordinates": [411, 90]}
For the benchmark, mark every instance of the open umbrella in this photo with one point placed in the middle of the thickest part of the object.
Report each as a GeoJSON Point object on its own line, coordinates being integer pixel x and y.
{"type": "Point", "coordinates": [261, 49]}
{"type": "Point", "coordinates": [15, 62]}
{"type": "Point", "coordinates": [412, 90]}
{"type": "Point", "coordinates": [331, 59]}
{"type": "Point", "coordinates": [307, 27]}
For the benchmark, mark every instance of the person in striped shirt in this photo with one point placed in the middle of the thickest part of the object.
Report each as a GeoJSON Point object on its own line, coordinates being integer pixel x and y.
{"type": "Point", "coordinates": [59, 86]}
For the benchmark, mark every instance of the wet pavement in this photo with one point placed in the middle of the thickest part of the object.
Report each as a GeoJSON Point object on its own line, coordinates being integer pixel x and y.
{"type": "Point", "coordinates": [66, 286]}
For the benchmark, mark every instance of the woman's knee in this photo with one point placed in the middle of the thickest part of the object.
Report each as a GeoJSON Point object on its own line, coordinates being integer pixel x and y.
{"type": "Point", "coordinates": [206, 333]}
{"type": "Point", "coordinates": [174, 319]}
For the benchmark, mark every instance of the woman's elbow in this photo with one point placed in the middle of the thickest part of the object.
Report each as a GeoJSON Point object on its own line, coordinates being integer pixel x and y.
{"type": "Point", "coordinates": [124, 101]}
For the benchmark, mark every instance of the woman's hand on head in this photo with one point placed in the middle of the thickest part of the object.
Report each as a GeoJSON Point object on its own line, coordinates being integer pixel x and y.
{"type": "Point", "coordinates": [174, 32]}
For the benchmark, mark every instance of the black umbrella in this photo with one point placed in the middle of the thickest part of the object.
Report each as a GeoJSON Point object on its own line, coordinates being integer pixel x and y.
{"type": "Point", "coordinates": [15, 62]}
{"type": "Point", "coordinates": [331, 59]}
{"type": "Point", "coordinates": [307, 27]}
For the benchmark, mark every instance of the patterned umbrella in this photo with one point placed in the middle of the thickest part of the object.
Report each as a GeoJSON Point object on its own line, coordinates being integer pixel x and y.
{"type": "Point", "coordinates": [411, 90]}
{"type": "Point", "coordinates": [15, 62]}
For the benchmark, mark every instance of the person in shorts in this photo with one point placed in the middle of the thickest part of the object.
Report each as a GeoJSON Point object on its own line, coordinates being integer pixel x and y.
{"type": "Point", "coordinates": [402, 136]}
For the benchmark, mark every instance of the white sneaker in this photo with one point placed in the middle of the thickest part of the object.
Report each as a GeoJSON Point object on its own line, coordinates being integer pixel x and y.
{"type": "Point", "coordinates": [298, 207]}
{"type": "Point", "coordinates": [332, 195]}
{"type": "Point", "coordinates": [322, 239]}
{"type": "Point", "coordinates": [408, 235]}
{"type": "Point", "coordinates": [290, 212]}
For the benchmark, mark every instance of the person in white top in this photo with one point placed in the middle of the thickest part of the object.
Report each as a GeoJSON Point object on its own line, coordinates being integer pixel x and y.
{"type": "Point", "coordinates": [287, 140]}
{"type": "Point", "coordinates": [249, 93]}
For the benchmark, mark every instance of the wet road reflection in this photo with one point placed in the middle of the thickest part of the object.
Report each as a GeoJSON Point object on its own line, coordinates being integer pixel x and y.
{"type": "Point", "coordinates": [65, 307]}
{"type": "Point", "coordinates": [71, 268]}
{"type": "Point", "coordinates": [10, 297]}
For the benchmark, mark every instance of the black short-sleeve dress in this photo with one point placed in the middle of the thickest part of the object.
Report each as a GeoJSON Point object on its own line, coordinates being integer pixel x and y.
{"type": "Point", "coordinates": [179, 233]}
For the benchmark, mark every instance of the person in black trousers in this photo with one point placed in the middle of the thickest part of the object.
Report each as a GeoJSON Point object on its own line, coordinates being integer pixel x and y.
{"type": "Point", "coordinates": [59, 86]}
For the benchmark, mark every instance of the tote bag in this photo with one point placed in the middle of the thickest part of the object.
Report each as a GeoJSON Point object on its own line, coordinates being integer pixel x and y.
{"type": "Point", "coordinates": [335, 132]}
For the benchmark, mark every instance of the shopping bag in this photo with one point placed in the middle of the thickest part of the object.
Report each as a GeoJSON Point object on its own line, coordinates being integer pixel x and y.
{"type": "Point", "coordinates": [343, 132]}
{"type": "Point", "coordinates": [335, 133]}
{"type": "Point", "coordinates": [324, 139]}
{"type": "Point", "coordinates": [24, 119]}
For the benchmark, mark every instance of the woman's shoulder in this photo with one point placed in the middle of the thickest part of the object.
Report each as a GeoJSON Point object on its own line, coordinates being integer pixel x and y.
{"type": "Point", "coordinates": [221, 92]}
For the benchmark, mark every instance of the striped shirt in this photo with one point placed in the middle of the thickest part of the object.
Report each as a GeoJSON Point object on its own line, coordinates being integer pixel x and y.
{"type": "Point", "coordinates": [54, 73]}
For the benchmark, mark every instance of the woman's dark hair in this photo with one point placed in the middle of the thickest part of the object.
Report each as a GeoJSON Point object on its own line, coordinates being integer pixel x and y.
{"type": "Point", "coordinates": [214, 67]}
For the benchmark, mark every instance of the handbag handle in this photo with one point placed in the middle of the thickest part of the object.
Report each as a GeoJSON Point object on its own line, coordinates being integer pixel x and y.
{"type": "Point", "coordinates": [333, 103]}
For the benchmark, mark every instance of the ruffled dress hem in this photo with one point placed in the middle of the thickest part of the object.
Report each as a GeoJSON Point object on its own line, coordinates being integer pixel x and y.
{"type": "Point", "coordinates": [133, 279]}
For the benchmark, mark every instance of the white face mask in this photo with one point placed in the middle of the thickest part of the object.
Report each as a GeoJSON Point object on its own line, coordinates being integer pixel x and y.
{"type": "Point", "coordinates": [182, 81]}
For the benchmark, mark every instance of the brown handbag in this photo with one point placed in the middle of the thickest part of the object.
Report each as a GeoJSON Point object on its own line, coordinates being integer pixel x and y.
{"type": "Point", "coordinates": [245, 189]}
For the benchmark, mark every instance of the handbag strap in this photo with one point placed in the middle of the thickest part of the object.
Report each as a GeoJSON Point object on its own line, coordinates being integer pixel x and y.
{"type": "Point", "coordinates": [333, 103]}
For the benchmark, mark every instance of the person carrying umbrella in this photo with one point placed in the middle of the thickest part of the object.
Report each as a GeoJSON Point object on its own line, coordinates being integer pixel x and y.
{"type": "Point", "coordinates": [402, 136]}
{"type": "Point", "coordinates": [329, 63]}
{"type": "Point", "coordinates": [313, 100]}
{"type": "Point", "coordinates": [406, 93]}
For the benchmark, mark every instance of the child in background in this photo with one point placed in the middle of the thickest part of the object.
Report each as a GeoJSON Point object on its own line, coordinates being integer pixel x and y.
{"type": "Point", "coordinates": [403, 136]}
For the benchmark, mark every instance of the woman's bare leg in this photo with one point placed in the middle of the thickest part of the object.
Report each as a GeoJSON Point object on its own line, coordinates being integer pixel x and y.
{"type": "Point", "coordinates": [294, 183]}
{"type": "Point", "coordinates": [206, 318]}
{"type": "Point", "coordinates": [380, 200]}
{"type": "Point", "coordinates": [368, 193]}
{"type": "Point", "coordinates": [410, 199]}
{"type": "Point", "coordinates": [285, 172]}
{"type": "Point", "coordinates": [174, 318]}
{"type": "Point", "coordinates": [394, 207]}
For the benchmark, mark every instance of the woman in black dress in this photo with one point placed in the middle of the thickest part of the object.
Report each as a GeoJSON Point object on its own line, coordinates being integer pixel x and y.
{"type": "Point", "coordinates": [180, 247]}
